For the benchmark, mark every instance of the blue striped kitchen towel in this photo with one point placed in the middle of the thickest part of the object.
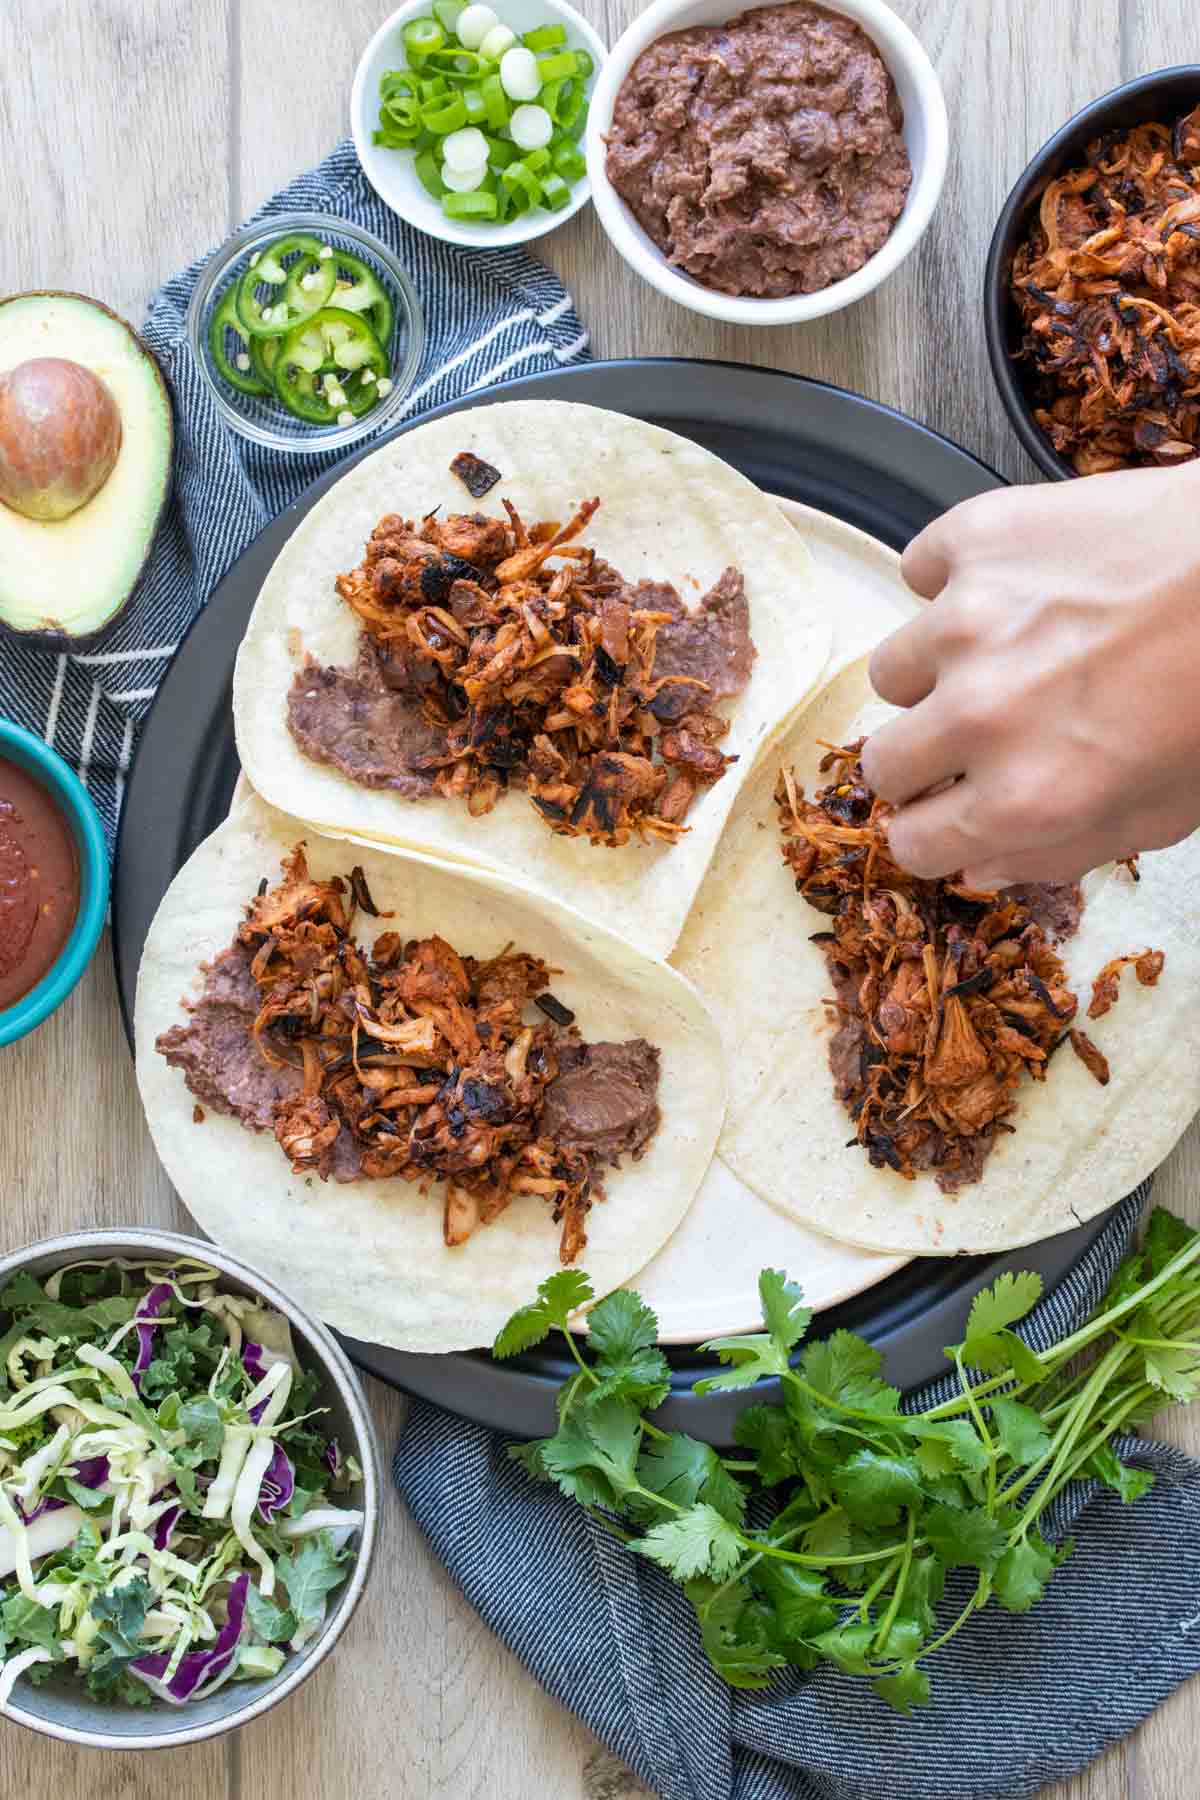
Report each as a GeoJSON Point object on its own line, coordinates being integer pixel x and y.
{"type": "Point", "coordinates": [1019, 1701]}
{"type": "Point", "coordinates": [488, 313]}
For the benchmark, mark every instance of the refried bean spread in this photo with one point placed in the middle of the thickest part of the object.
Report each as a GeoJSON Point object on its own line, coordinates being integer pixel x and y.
{"type": "Point", "coordinates": [765, 156]}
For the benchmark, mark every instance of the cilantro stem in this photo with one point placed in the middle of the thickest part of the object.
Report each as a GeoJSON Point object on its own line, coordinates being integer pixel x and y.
{"type": "Point", "coordinates": [889, 1617]}
{"type": "Point", "coordinates": [825, 1562]}
{"type": "Point", "coordinates": [981, 1428]}
{"type": "Point", "coordinates": [1067, 1436]}
{"type": "Point", "coordinates": [1104, 1322]}
{"type": "Point", "coordinates": [878, 1585]}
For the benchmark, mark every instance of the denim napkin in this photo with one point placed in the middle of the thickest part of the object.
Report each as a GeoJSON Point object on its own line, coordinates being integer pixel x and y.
{"type": "Point", "coordinates": [1018, 1700]}
{"type": "Point", "coordinates": [488, 314]}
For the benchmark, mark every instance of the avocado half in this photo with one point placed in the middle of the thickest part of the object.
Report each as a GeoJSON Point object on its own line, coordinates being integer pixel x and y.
{"type": "Point", "coordinates": [64, 583]}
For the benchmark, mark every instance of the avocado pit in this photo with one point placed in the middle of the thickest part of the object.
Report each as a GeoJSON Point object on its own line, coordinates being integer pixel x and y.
{"type": "Point", "coordinates": [60, 436]}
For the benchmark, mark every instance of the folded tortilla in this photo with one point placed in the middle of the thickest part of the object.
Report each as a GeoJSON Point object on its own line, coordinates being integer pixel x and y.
{"type": "Point", "coordinates": [368, 1256]}
{"type": "Point", "coordinates": [669, 511]}
{"type": "Point", "coordinates": [1077, 1147]}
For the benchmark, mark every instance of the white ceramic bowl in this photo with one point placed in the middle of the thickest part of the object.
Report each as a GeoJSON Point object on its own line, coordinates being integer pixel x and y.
{"type": "Point", "coordinates": [393, 174]}
{"type": "Point", "coordinates": [925, 134]}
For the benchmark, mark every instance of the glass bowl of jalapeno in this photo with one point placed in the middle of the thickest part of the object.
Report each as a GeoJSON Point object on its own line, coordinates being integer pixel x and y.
{"type": "Point", "coordinates": [468, 116]}
{"type": "Point", "coordinates": [308, 332]}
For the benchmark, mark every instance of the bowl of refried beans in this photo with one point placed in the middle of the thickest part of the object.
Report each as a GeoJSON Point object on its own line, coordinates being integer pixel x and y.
{"type": "Point", "coordinates": [766, 166]}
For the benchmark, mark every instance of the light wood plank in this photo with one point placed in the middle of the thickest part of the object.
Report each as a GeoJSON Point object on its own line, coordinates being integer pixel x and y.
{"type": "Point", "coordinates": [113, 127]}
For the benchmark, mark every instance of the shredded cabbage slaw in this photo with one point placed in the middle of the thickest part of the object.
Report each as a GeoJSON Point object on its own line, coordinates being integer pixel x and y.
{"type": "Point", "coordinates": [169, 1516]}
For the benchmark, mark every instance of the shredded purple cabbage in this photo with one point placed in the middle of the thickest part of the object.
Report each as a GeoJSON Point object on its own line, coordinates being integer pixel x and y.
{"type": "Point", "coordinates": [165, 1524]}
{"type": "Point", "coordinates": [333, 1457]}
{"type": "Point", "coordinates": [255, 1365]}
{"type": "Point", "coordinates": [198, 1666]}
{"type": "Point", "coordinates": [155, 1300]}
{"type": "Point", "coordinates": [278, 1486]}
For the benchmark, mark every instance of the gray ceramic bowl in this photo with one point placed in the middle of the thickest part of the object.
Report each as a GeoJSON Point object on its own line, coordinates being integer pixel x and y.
{"type": "Point", "coordinates": [61, 1707]}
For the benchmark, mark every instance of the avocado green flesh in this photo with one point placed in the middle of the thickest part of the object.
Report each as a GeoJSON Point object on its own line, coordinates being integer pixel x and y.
{"type": "Point", "coordinates": [71, 577]}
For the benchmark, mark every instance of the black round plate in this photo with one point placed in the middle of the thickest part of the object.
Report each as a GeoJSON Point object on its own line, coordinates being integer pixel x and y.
{"type": "Point", "coordinates": [834, 450]}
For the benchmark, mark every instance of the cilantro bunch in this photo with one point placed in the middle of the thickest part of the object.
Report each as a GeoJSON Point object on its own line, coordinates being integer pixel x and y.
{"type": "Point", "coordinates": [874, 1506]}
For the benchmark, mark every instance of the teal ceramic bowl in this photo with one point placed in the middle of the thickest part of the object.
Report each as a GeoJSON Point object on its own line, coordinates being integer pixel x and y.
{"type": "Point", "coordinates": [47, 767]}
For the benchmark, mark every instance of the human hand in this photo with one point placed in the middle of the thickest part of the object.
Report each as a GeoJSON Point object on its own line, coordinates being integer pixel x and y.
{"type": "Point", "coordinates": [1053, 685]}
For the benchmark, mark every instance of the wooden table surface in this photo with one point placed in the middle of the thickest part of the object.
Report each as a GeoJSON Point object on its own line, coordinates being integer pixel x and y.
{"type": "Point", "coordinates": [133, 134]}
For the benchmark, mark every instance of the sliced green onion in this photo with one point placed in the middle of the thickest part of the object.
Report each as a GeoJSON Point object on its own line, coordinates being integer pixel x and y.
{"type": "Point", "coordinates": [585, 64]}
{"type": "Point", "coordinates": [401, 117]}
{"type": "Point", "coordinates": [433, 87]}
{"type": "Point", "coordinates": [475, 105]}
{"type": "Point", "coordinates": [546, 37]}
{"type": "Point", "coordinates": [459, 65]}
{"type": "Point", "coordinates": [523, 188]}
{"type": "Point", "coordinates": [576, 124]}
{"type": "Point", "coordinates": [569, 161]}
{"type": "Point", "coordinates": [445, 116]}
{"type": "Point", "coordinates": [400, 82]}
{"type": "Point", "coordinates": [447, 14]}
{"type": "Point", "coordinates": [477, 205]}
{"type": "Point", "coordinates": [555, 192]}
{"type": "Point", "coordinates": [536, 161]}
{"type": "Point", "coordinates": [423, 36]}
{"type": "Point", "coordinates": [495, 101]}
{"type": "Point", "coordinates": [430, 175]}
{"type": "Point", "coordinates": [565, 103]}
{"type": "Point", "coordinates": [500, 152]}
{"type": "Point", "coordinates": [557, 68]}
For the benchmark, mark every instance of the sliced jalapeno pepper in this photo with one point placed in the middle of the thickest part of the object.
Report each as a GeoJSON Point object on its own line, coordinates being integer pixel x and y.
{"type": "Point", "coordinates": [246, 381]}
{"type": "Point", "coordinates": [264, 354]}
{"type": "Point", "coordinates": [335, 348]}
{"type": "Point", "coordinates": [269, 270]}
{"type": "Point", "coordinates": [365, 293]}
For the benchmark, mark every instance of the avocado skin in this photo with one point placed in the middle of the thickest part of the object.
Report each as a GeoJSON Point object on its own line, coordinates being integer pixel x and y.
{"type": "Point", "coordinates": [70, 642]}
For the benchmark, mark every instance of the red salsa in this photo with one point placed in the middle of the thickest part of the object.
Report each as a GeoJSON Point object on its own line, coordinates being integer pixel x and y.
{"type": "Point", "coordinates": [39, 882]}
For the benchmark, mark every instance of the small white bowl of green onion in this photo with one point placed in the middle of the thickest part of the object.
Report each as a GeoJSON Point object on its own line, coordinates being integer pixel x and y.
{"type": "Point", "coordinates": [469, 118]}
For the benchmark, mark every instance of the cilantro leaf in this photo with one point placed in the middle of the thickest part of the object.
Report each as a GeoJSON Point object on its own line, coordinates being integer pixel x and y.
{"type": "Point", "coordinates": [25, 1622]}
{"type": "Point", "coordinates": [619, 1327]}
{"type": "Point", "coordinates": [697, 1542]}
{"type": "Point", "coordinates": [310, 1574]}
{"type": "Point", "coordinates": [683, 1470]}
{"type": "Point", "coordinates": [828, 1536]}
{"type": "Point", "coordinates": [800, 1605]}
{"type": "Point", "coordinates": [968, 1537]}
{"type": "Point", "coordinates": [1105, 1465]}
{"type": "Point", "coordinates": [592, 1455]}
{"type": "Point", "coordinates": [767, 1430]}
{"type": "Point", "coordinates": [560, 1295]}
{"type": "Point", "coordinates": [645, 1379]}
{"type": "Point", "coordinates": [1020, 1577]}
{"type": "Point", "coordinates": [784, 1313]}
{"type": "Point", "coordinates": [1009, 1298]}
{"type": "Point", "coordinates": [846, 1368]}
{"type": "Point", "coordinates": [956, 1438]}
{"type": "Point", "coordinates": [1019, 1431]}
{"type": "Point", "coordinates": [273, 1623]}
{"type": "Point", "coordinates": [1166, 1235]}
{"type": "Point", "coordinates": [874, 1487]}
{"type": "Point", "coordinates": [734, 1632]}
{"type": "Point", "coordinates": [998, 1352]}
{"type": "Point", "coordinates": [1175, 1372]}
{"type": "Point", "coordinates": [751, 1357]}
{"type": "Point", "coordinates": [909, 1687]}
